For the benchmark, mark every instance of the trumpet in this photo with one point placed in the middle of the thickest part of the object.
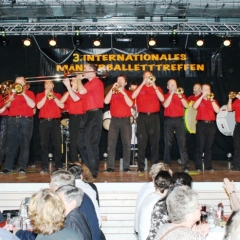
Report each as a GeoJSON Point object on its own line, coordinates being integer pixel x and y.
{"type": "Point", "coordinates": [179, 91]}
{"type": "Point", "coordinates": [232, 95]}
{"type": "Point", "coordinates": [50, 95]}
{"type": "Point", "coordinates": [151, 79]}
{"type": "Point", "coordinates": [210, 96]}
{"type": "Point", "coordinates": [115, 90]}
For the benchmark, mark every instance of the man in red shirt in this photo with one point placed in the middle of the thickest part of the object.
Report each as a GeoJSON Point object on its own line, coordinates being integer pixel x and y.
{"type": "Point", "coordinates": [206, 127]}
{"type": "Point", "coordinates": [20, 127]}
{"type": "Point", "coordinates": [174, 105]}
{"type": "Point", "coordinates": [235, 106]}
{"type": "Point", "coordinates": [148, 97]}
{"type": "Point", "coordinates": [197, 92]}
{"type": "Point", "coordinates": [49, 105]}
{"type": "Point", "coordinates": [75, 109]}
{"type": "Point", "coordinates": [91, 126]}
{"type": "Point", "coordinates": [120, 109]}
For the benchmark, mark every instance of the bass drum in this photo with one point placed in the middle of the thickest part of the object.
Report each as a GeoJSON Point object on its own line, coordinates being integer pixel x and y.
{"type": "Point", "coordinates": [190, 118]}
{"type": "Point", "coordinates": [106, 119]}
{"type": "Point", "coordinates": [226, 121]}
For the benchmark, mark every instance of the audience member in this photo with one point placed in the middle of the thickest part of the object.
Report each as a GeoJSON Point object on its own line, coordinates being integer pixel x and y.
{"type": "Point", "coordinates": [184, 212]}
{"type": "Point", "coordinates": [162, 183]}
{"type": "Point", "coordinates": [232, 226]}
{"type": "Point", "coordinates": [6, 235]}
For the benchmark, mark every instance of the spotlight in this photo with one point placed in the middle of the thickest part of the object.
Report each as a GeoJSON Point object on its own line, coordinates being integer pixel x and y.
{"type": "Point", "coordinates": [226, 42]}
{"type": "Point", "coordinates": [3, 39]}
{"type": "Point", "coordinates": [123, 39]}
{"type": "Point", "coordinates": [97, 42]}
{"type": "Point", "coordinates": [200, 41]}
{"type": "Point", "coordinates": [52, 42]}
{"type": "Point", "coordinates": [152, 42]}
{"type": "Point", "coordinates": [173, 39]}
{"type": "Point", "coordinates": [27, 42]}
{"type": "Point", "coordinates": [77, 38]}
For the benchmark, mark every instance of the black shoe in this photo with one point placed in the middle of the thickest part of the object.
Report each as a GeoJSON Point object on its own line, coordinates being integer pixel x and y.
{"type": "Point", "coordinates": [6, 171]}
{"type": "Point", "coordinates": [198, 169]}
{"type": "Point", "coordinates": [32, 165]}
{"type": "Point", "coordinates": [126, 170]}
{"type": "Point", "coordinates": [186, 169]}
{"type": "Point", "coordinates": [109, 170]}
{"type": "Point", "coordinates": [21, 171]}
{"type": "Point", "coordinates": [44, 171]}
{"type": "Point", "coordinates": [210, 169]}
{"type": "Point", "coordinates": [235, 169]}
{"type": "Point", "coordinates": [140, 170]}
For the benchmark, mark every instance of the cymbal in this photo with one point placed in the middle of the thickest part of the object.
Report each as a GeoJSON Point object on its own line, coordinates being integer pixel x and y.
{"type": "Point", "coordinates": [65, 122]}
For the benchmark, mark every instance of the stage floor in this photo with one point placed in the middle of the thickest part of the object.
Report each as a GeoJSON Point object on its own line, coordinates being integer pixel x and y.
{"type": "Point", "coordinates": [220, 171]}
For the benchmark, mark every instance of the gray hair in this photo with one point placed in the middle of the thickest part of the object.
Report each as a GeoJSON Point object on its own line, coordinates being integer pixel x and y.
{"type": "Point", "coordinates": [181, 201]}
{"type": "Point", "coordinates": [62, 177]}
{"type": "Point", "coordinates": [156, 168]}
{"type": "Point", "coordinates": [232, 226]}
{"type": "Point", "coordinates": [71, 193]}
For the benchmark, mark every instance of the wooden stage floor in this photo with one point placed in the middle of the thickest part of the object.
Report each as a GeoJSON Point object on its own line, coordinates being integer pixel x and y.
{"type": "Point", "coordinates": [220, 167]}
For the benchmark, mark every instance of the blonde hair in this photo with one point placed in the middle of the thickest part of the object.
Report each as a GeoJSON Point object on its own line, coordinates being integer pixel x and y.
{"type": "Point", "coordinates": [46, 212]}
{"type": "Point", "coordinates": [156, 168]}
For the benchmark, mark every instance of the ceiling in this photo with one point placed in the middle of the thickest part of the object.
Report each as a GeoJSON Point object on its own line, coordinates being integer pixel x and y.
{"type": "Point", "coordinates": [119, 16]}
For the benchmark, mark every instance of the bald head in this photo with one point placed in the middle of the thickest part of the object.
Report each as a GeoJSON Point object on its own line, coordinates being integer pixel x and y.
{"type": "Point", "coordinates": [171, 85]}
{"type": "Point", "coordinates": [197, 89]}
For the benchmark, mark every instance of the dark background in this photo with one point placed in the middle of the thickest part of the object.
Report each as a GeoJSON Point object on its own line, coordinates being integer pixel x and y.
{"type": "Point", "coordinates": [222, 73]}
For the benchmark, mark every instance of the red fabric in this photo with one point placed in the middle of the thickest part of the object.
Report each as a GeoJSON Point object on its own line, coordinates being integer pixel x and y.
{"type": "Point", "coordinates": [74, 107]}
{"type": "Point", "coordinates": [205, 111]}
{"type": "Point", "coordinates": [19, 105]}
{"type": "Point", "coordinates": [194, 98]}
{"type": "Point", "coordinates": [94, 96]}
{"type": "Point", "coordinates": [118, 105]}
{"type": "Point", "coordinates": [50, 108]}
{"type": "Point", "coordinates": [236, 108]}
{"type": "Point", "coordinates": [2, 102]}
{"type": "Point", "coordinates": [147, 100]}
{"type": "Point", "coordinates": [175, 108]}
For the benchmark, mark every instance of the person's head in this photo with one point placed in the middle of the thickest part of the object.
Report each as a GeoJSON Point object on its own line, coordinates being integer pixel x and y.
{"type": "Point", "coordinates": [74, 84]}
{"type": "Point", "coordinates": [90, 71]}
{"type": "Point", "coordinates": [147, 75]}
{"type": "Point", "coordinates": [71, 196]}
{"type": "Point", "coordinates": [48, 85]}
{"type": "Point", "coordinates": [162, 181]}
{"type": "Point", "coordinates": [61, 178]}
{"type": "Point", "coordinates": [197, 89]}
{"type": "Point", "coordinates": [232, 226]}
{"type": "Point", "coordinates": [182, 206]}
{"type": "Point", "coordinates": [132, 86]}
{"type": "Point", "coordinates": [157, 167]}
{"type": "Point", "coordinates": [206, 89]}
{"type": "Point", "coordinates": [20, 80]}
{"type": "Point", "coordinates": [171, 85]}
{"type": "Point", "coordinates": [181, 178]}
{"type": "Point", "coordinates": [46, 212]}
{"type": "Point", "coordinates": [122, 81]}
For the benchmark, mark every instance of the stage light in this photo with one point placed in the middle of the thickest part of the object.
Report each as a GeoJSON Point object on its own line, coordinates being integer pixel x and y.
{"type": "Point", "coordinates": [52, 42]}
{"type": "Point", "coordinates": [3, 38]}
{"type": "Point", "coordinates": [27, 42]}
{"type": "Point", "coordinates": [77, 38]}
{"type": "Point", "coordinates": [173, 39]}
{"type": "Point", "coordinates": [200, 41]}
{"type": "Point", "coordinates": [123, 39]}
{"type": "Point", "coordinates": [226, 42]}
{"type": "Point", "coordinates": [97, 42]}
{"type": "Point", "coordinates": [152, 42]}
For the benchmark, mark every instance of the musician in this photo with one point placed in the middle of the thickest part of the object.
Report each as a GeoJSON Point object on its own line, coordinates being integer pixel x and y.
{"type": "Point", "coordinates": [20, 127]}
{"type": "Point", "coordinates": [174, 105]}
{"type": "Point", "coordinates": [75, 109]}
{"type": "Point", "coordinates": [120, 109]}
{"type": "Point", "coordinates": [3, 129]}
{"type": "Point", "coordinates": [235, 106]}
{"type": "Point", "coordinates": [197, 92]}
{"type": "Point", "coordinates": [49, 105]}
{"type": "Point", "coordinates": [206, 127]}
{"type": "Point", "coordinates": [91, 125]}
{"type": "Point", "coordinates": [148, 97]}
{"type": "Point", "coordinates": [132, 86]}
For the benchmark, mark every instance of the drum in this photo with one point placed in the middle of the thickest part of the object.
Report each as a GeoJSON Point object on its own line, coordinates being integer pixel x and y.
{"type": "Point", "coordinates": [226, 121]}
{"type": "Point", "coordinates": [190, 118]}
{"type": "Point", "coordinates": [65, 119]}
{"type": "Point", "coordinates": [106, 119]}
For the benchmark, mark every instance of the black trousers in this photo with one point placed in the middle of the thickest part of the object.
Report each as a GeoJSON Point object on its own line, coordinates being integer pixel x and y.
{"type": "Point", "coordinates": [89, 136]}
{"type": "Point", "coordinates": [148, 128]}
{"type": "Point", "coordinates": [74, 122]}
{"type": "Point", "coordinates": [3, 137]}
{"type": "Point", "coordinates": [51, 129]}
{"type": "Point", "coordinates": [176, 125]}
{"type": "Point", "coordinates": [236, 146]}
{"type": "Point", "coordinates": [205, 138]}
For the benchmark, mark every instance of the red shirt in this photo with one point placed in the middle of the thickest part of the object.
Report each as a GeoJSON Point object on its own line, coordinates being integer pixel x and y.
{"type": "Point", "coordinates": [205, 111]}
{"type": "Point", "coordinates": [94, 96]}
{"type": "Point", "coordinates": [175, 108]}
{"type": "Point", "coordinates": [50, 108]}
{"type": "Point", "coordinates": [2, 102]}
{"type": "Point", "coordinates": [147, 100]}
{"type": "Point", "coordinates": [19, 105]}
{"type": "Point", "coordinates": [236, 108]}
{"type": "Point", "coordinates": [74, 107]}
{"type": "Point", "coordinates": [194, 98]}
{"type": "Point", "coordinates": [118, 105]}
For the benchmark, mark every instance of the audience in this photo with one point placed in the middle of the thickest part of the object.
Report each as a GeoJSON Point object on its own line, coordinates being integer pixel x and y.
{"type": "Point", "coordinates": [149, 187]}
{"type": "Point", "coordinates": [232, 227]}
{"type": "Point", "coordinates": [162, 182]}
{"type": "Point", "coordinates": [183, 212]}
{"type": "Point", "coordinates": [6, 235]}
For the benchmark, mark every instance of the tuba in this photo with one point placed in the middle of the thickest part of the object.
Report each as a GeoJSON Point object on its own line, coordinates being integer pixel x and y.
{"type": "Point", "coordinates": [210, 96]}
{"type": "Point", "coordinates": [179, 91]}
{"type": "Point", "coordinates": [232, 95]}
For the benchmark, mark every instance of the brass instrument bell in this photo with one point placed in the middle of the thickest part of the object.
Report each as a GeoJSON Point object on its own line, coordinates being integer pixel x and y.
{"type": "Point", "coordinates": [6, 88]}
{"type": "Point", "coordinates": [50, 95]}
{"type": "Point", "coordinates": [179, 91]}
{"type": "Point", "coordinates": [210, 96]}
{"type": "Point", "coordinates": [151, 79]}
{"type": "Point", "coordinates": [115, 90]}
{"type": "Point", "coordinates": [232, 95]}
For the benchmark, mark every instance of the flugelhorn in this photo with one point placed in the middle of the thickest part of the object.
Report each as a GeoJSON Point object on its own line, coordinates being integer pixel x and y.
{"type": "Point", "coordinates": [232, 95]}
{"type": "Point", "coordinates": [179, 91]}
{"type": "Point", "coordinates": [210, 96]}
